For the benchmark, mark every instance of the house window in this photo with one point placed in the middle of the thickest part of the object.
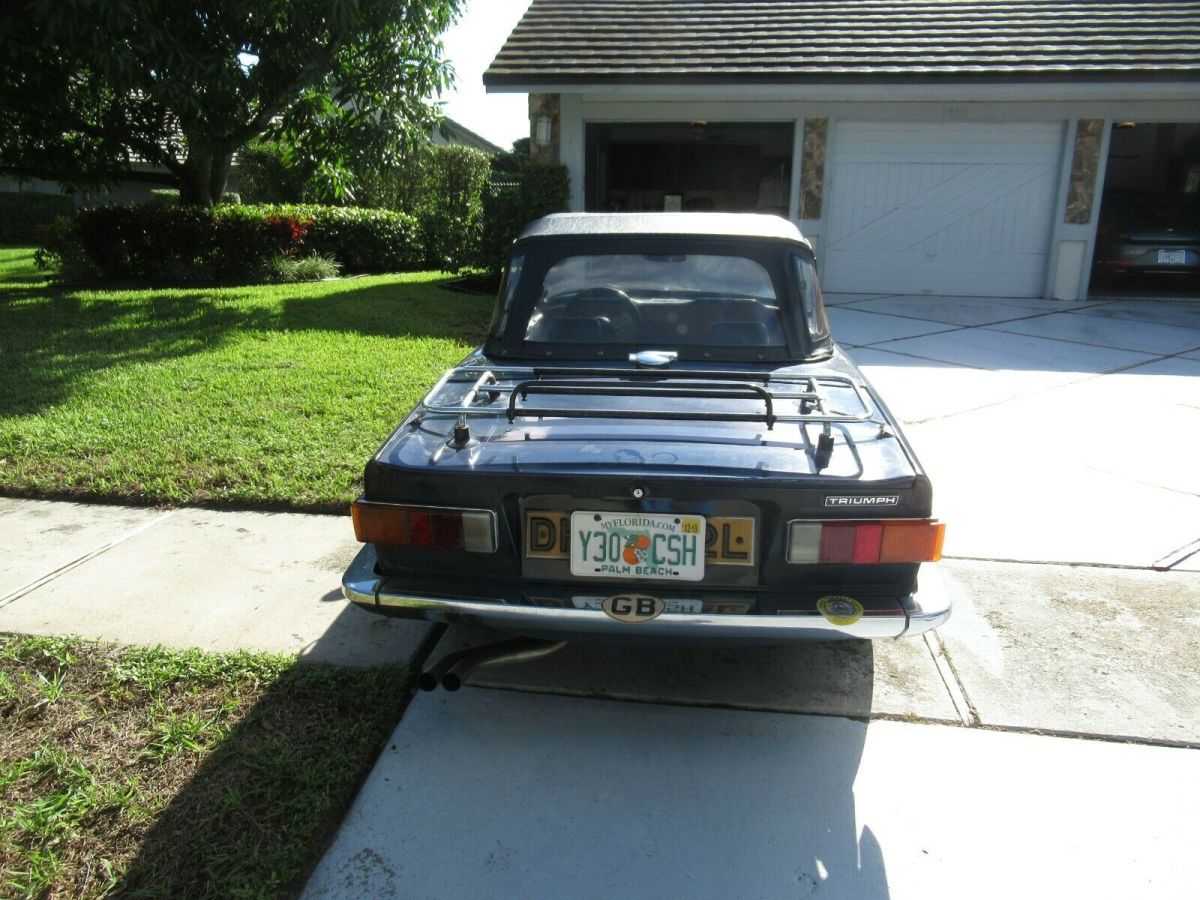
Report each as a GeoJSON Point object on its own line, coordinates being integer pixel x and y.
{"type": "Point", "coordinates": [693, 166]}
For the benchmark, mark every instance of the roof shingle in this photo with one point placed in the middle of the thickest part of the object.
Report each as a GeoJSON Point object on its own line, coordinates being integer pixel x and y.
{"type": "Point", "coordinates": [791, 41]}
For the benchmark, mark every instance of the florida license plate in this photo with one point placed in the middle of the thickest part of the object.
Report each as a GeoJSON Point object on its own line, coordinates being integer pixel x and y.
{"type": "Point", "coordinates": [1172, 257]}
{"type": "Point", "coordinates": [666, 546]}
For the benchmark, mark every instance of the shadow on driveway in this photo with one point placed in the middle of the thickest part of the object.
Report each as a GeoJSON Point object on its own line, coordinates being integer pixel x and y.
{"type": "Point", "coordinates": [504, 793]}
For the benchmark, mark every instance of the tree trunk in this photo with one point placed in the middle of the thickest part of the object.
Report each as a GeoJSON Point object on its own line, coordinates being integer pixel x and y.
{"type": "Point", "coordinates": [195, 182]}
{"type": "Point", "coordinates": [219, 176]}
{"type": "Point", "coordinates": [205, 174]}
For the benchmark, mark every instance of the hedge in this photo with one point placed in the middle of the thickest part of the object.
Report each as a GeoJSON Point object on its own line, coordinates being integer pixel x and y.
{"type": "Point", "coordinates": [520, 190]}
{"type": "Point", "coordinates": [240, 242]}
{"type": "Point", "coordinates": [470, 206]}
{"type": "Point", "coordinates": [23, 213]}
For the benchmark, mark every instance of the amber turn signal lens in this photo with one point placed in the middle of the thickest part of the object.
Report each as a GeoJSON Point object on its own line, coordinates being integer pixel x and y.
{"type": "Point", "coordinates": [912, 542]}
{"type": "Point", "coordinates": [437, 528]}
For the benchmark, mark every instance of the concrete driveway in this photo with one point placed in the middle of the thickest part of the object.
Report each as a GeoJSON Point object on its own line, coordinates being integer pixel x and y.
{"type": "Point", "coordinates": [1042, 743]}
{"type": "Point", "coordinates": [1060, 440]}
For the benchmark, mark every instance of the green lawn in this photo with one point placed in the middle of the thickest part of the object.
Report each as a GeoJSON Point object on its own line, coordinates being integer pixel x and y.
{"type": "Point", "coordinates": [174, 773]}
{"type": "Point", "coordinates": [16, 265]}
{"type": "Point", "coordinates": [261, 395]}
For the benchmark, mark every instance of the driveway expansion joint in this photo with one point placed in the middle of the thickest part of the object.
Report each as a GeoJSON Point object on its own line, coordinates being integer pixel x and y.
{"type": "Point", "coordinates": [954, 686]}
{"type": "Point", "coordinates": [1062, 564]}
{"type": "Point", "coordinates": [715, 706]}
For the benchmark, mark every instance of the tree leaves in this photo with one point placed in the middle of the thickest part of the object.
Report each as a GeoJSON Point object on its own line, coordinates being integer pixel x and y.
{"type": "Point", "coordinates": [101, 86]}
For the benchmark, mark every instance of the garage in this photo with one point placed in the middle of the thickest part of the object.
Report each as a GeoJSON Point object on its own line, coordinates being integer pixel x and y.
{"type": "Point", "coordinates": [1148, 237]}
{"type": "Point", "coordinates": [952, 148]}
{"type": "Point", "coordinates": [942, 208]}
{"type": "Point", "coordinates": [696, 166]}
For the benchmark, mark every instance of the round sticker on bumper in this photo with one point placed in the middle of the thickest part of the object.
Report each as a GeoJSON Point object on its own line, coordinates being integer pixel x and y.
{"type": "Point", "coordinates": [633, 607]}
{"type": "Point", "coordinates": [840, 610]}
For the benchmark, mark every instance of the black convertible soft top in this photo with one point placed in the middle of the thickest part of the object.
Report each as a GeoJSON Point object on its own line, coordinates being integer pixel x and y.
{"type": "Point", "coordinates": [699, 224]}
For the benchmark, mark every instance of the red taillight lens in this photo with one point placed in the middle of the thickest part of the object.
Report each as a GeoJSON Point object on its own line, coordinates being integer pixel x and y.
{"type": "Point", "coordinates": [867, 539]}
{"type": "Point", "coordinates": [895, 541]}
{"type": "Point", "coordinates": [447, 531]}
{"type": "Point", "coordinates": [837, 544]}
{"type": "Point", "coordinates": [473, 530]}
{"type": "Point", "coordinates": [420, 528]}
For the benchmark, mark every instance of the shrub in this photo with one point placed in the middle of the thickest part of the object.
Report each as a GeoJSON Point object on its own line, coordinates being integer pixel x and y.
{"type": "Point", "coordinates": [23, 213]}
{"type": "Point", "coordinates": [313, 267]}
{"type": "Point", "coordinates": [443, 187]}
{"type": "Point", "coordinates": [520, 190]}
{"type": "Point", "coordinates": [168, 196]}
{"type": "Point", "coordinates": [266, 177]}
{"type": "Point", "coordinates": [61, 250]}
{"type": "Point", "coordinates": [362, 240]}
{"type": "Point", "coordinates": [451, 210]}
{"type": "Point", "coordinates": [239, 242]}
{"type": "Point", "coordinates": [243, 240]}
{"type": "Point", "coordinates": [150, 239]}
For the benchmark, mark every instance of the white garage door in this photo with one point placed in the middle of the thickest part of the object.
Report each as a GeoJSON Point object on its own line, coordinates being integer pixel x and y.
{"type": "Point", "coordinates": [941, 208]}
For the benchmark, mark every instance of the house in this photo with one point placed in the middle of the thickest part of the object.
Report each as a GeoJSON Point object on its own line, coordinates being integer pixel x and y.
{"type": "Point", "coordinates": [947, 147]}
{"type": "Point", "coordinates": [450, 132]}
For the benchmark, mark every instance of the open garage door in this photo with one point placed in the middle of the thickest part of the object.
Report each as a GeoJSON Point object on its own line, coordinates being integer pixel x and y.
{"type": "Point", "coordinates": [1148, 238]}
{"type": "Point", "coordinates": [697, 166]}
{"type": "Point", "coordinates": [941, 208]}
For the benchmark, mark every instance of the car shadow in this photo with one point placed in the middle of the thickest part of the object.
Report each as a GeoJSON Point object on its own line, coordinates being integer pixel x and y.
{"type": "Point", "coordinates": [532, 792]}
{"type": "Point", "coordinates": [833, 678]}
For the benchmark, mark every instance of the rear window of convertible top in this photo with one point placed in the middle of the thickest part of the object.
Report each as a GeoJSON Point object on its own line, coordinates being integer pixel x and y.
{"type": "Point", "coordinates": [649, 299]}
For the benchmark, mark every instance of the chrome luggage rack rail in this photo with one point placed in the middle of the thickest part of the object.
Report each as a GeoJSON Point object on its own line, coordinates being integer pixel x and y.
{"type": "Point", "coordinates": [516, 384]}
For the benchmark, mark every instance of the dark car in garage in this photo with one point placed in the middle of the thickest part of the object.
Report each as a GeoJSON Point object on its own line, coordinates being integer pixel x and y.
{"type": "Point", "coordinates": [1141, 235]}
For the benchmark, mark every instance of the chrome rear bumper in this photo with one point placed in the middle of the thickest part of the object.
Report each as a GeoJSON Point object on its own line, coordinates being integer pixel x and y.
{"type": "Point", "coordinates": [919, 612]}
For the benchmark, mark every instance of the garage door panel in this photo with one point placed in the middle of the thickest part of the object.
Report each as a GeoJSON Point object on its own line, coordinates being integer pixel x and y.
{"type": "Point", "coordinates": [959, 209]}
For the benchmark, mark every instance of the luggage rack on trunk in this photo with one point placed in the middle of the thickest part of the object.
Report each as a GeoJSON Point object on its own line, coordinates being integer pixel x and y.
{"type": "Point", "coordinates": [770, 388]}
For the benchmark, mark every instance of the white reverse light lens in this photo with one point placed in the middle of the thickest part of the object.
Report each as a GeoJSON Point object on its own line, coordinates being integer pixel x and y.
{"type": "Point", "coordinates": [479, 531]}
{"type": "Point", "coordinates": [804, 542]}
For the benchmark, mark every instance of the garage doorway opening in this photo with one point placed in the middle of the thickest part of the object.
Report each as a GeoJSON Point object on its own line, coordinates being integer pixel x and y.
{"type": "Point", "coordinates": [1148, 236]}
{"type": "Point", "coordinates": [684, 167]}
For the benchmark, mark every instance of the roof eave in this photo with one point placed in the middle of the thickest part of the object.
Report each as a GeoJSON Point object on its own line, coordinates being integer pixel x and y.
{"type": "Point", "coordinates": [525, 81]}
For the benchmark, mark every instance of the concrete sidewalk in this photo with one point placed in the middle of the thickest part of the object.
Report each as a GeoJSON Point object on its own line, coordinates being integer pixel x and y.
{"type": "Point", "coordinates": [190, 578]}
{"type": "Point", "coordinates": [1067, 649]}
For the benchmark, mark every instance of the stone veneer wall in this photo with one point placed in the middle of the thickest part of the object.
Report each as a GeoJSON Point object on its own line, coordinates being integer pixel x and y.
{"type": "Point", "coordinates": [812, 167]}
{"type": "Point", "coordinates": [1081, 194]}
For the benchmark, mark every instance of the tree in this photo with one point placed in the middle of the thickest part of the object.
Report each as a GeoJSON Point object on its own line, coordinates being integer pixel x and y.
{"type": "Point", "coordinates": [94, 90]}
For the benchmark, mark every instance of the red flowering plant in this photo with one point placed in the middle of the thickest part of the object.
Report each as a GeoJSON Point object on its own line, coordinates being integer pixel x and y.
{"type": "Point", "coordinates": [288, 232]}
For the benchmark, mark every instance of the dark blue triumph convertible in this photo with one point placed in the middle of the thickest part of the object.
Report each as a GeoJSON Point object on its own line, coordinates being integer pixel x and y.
{"type": "Point", "coordinates": [658, 440]}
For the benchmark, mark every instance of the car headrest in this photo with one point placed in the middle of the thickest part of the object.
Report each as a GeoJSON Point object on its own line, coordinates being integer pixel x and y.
{"type": "Point", "coordinates": [577, 330]}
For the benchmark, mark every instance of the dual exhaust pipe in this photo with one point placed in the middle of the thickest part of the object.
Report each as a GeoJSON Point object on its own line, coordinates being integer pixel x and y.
{"type": "Point", "coordinates": [452, 670]}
